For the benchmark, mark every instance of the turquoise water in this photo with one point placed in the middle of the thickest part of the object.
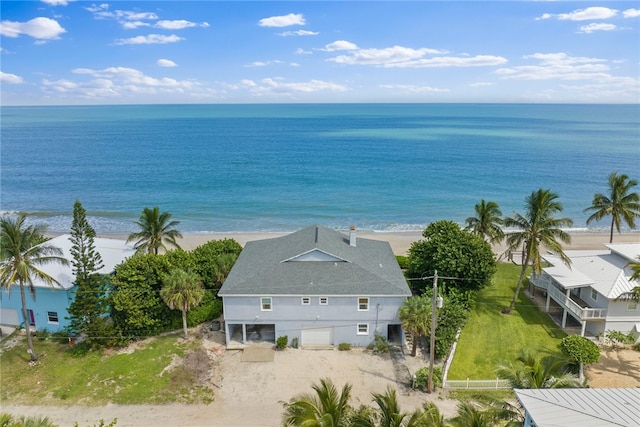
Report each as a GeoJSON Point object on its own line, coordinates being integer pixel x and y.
{"type": "Point", "coordinates": [386, 167]}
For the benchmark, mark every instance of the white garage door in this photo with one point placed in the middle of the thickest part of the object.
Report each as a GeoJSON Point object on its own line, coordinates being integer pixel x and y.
{"type": "Point", "coordinates": [317, 336]}
{"type": "Point", "coordinates": [9, 316]}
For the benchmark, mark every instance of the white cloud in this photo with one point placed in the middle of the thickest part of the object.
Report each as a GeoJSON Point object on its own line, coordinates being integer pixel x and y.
{"type": "Point", "coordinates": [150, 39]}
{"type": "Point", "coordinates": [590, 28]}
{"type": "Point", "coordinates": [276, 86]}
{"type": "Point", "coordinates": [10, 78]}
{"type": "Point", "coordinates": [386, 56]}
{"type": "Point", "coordinates": [263, 63]}
{"type": "Point", "coordinates": [631, 13]}
{"type": "Point", "coordinates": [559, 66]}
{"type": "Point", "coordinates": [589, 13]}
{"type": "Point", "coordinates": [414, 88]}
{"type": "Point", "coordinates": [298, 33]}
{"type": "Point", "coordinates": [119, 82]}
{"type": "Point", "coordinates": [165, 63]}
{"type": "Point", "coordinates": [283, 21]}
{"type": "Point", "coordinates": [57, 2]}
{"type": "Point", "coordinates": [340, 45]}
{"type": "Point", "coordinates": [404, 57]}
{"type": "Point", "coordinates": [310, 86]}
{"type": "Point", "coordinates": [39, 28]}
{"type": "Point", "coordinates": [178, 24]}
{"type": "Point", "coordinates": [481, 84]}
{"type": "Point", "coordinates": [132, 25]}
{"type": "Point", "coordinates": [301, 51]}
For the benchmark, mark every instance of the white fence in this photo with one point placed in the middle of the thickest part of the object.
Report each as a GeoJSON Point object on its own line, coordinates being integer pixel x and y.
{"type": "Point", "coordinates": [468, 384]}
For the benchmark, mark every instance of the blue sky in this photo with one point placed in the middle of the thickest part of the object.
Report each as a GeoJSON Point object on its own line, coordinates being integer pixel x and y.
{"type": "Point", "coordinates": [58, 52]}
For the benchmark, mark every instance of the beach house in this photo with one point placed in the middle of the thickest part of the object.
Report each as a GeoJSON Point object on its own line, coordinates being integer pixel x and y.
{"type": "Point", "coordinates": [587, 294]}
{"type": "Point", "coordinates": [317, 286]}
{"type": "Point", "coordinates": [48, 309]}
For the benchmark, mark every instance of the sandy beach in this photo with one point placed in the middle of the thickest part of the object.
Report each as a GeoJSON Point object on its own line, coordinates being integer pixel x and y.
{"type": "Point", "coordinates": [401, 241]}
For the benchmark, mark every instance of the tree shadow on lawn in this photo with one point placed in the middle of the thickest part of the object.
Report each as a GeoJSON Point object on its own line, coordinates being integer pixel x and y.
{"type": "Point", "coordinates": [532, 315]}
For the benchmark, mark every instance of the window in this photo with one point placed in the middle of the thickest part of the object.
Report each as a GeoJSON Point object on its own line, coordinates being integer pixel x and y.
{"type": "Point", "coordinates": [363, 304]}
{"type": "Point", "coordinates": [324, 301]}
{"type": "Point", "coordinates": [632, 305]}
{"type": "Point", "coordinates": [306, 301]}
{"type": "Point", "coordinates": [265, 303]}
{"type": "Point", "coordinates": [52, 317]}
{"type": "Point", "coordinates": [594, 295]}
{"type": "Point", "coordinates": [363, 329]}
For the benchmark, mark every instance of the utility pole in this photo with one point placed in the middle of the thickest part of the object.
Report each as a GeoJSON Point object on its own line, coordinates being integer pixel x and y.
{"type": "Point", "coordinates": [432, 344]}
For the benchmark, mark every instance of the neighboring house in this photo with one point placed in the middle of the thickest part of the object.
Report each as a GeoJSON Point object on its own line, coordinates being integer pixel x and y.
{"type": "Point", "coordinates": [48, 310]}
{"type": "Point", "coordinates": [589, 289]}
{"type": "Point", "coordinates": [580, 407]}
{"type": "Point", "coordinates": [317, 285]}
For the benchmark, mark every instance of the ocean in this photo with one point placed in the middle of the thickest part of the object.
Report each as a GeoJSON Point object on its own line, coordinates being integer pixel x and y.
{"type": "Point", "coordinates": [263, 167]}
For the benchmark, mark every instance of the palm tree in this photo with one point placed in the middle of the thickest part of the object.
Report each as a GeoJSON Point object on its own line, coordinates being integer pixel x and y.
{"type": "Point", "coordinates": [536, 372]}
{"type": "Point", "coordinates": [155, 230]}
{"type": "Point", "coordinates": [470, 415]}
{"type": "Point", "coordinates": [487, 222]}
{"type": "Point", "coordinates": [537, 228]}
{"type": "Point", "coordinates": [327, 408]}
{"type": "Point", "coordinates": [620, 203]}
{"type": "Point", "coordinates": [633, 294]}
{"type": "Point", "coordinates": [182, 290]}
{"type": "Point", "coordinates": [21, 255]}
{"type": "Point", "coordinates": [415, 315]}
{"type": "Point", "coordinates": [431, 416]}
{"type": "Point", "coordinates": [635, 267]}
{"type": "Point", "coordinates": [387, 414]}
{"type": "Point", "coordinates": [477, 413]}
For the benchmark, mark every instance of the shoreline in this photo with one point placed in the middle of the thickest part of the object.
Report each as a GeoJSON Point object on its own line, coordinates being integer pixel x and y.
{"type": "Point", "coordinates": [400, 241]}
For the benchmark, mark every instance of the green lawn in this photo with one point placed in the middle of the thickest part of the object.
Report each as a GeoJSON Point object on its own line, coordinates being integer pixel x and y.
{"type": "Point", "coordinates": [491, 337]}
{"type": "Point", "coordinates": [98, 378]}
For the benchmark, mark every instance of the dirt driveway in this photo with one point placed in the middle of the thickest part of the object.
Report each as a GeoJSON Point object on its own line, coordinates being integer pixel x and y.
{"type": "Point", "coordinates": [616, 368]}
{"type": "Point", "coordinates": [249, 393]}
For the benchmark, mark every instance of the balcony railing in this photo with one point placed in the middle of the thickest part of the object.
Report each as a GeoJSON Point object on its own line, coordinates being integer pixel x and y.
{"type": "Point", "coordinates": [561, 298]}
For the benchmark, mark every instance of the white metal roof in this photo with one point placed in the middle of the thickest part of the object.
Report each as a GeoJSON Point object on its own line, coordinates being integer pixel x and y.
{"type": "Point", "coordinates": [112, 251]}
{"type": "Point", "coordinates": [605, 270]}
{"type": "Point", "coordinates": [582, 407]}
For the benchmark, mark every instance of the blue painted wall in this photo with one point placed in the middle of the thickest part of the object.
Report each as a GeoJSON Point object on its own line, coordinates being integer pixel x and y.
{"type": "Point", "coordinates": [46, 302]}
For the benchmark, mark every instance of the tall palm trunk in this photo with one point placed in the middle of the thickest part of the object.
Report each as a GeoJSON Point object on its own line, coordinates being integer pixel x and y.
{"type": "Point", "coordinates": [184, 323]}
{"type": "Point", "coordinates": [611, 233]}
{"type": "Point", "coordinates": [27, 325]}
{"type": "Point", "coordinates": [525, 263]}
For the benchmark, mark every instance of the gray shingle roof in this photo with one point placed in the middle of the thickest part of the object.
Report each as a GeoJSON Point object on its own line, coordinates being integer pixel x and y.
{"type": "Point", "coordinates": [269, 267]}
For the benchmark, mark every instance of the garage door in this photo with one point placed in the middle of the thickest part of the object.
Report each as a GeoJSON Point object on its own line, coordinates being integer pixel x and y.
{"type": "Point", "coordinates": [317, 336]}
{"type": "Point", "coordinates": [9, 316]}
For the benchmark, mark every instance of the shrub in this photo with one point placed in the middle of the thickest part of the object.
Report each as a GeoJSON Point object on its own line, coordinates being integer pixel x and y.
{"type": "Point", "coordinates": [282, 341]}
{"type": "Point", "coordinates": [294, 342]}
{"type": "Point", "coordinates": [344, 346]}
{"type": "Point", "coordinates": [636, 346]}
{"type": "Point", "coordinates": [616, 337]}
{"type": "Point", "coordinates": [422, 377]}
{"type": "Point", "coordinates": [379, 345]}
{"type": "Point", "coordinates": [580, 349]}
{"type": "Point", "coordinates": [403, 261]}
{"type": "Point", "coordinates": [210, 308]}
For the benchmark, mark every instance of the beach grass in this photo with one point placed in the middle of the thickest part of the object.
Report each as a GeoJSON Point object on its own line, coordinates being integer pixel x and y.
{"type": "Point", "coordinates": [138, 375]}
{"type": "Point", "coordinates": [490, 337]}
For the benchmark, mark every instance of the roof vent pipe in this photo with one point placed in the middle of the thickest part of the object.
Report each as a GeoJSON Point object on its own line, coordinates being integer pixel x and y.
{"type": "Point", "coordinates": [352, 235]}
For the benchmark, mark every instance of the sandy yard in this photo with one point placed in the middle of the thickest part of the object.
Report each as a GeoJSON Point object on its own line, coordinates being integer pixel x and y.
{"type": "Point", "coordinates": [616, 368]}
{"type": "Point", "coordinates": [249, 393]}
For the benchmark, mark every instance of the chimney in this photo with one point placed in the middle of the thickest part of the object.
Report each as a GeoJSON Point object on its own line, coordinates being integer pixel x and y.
{"type": "Point", "coordinates": [352, 235]}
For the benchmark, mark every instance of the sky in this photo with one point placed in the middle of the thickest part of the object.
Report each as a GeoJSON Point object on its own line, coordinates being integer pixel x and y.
{"type": "Point", "coordinates": [63, 52]}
